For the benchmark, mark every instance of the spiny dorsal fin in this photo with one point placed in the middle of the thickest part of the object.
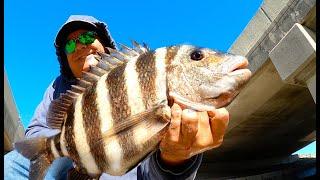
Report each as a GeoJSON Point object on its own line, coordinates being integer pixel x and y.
{"type": "Point", "coordinates": [77, 89]}
{"type": "Point", "coordinates": [118, 55]}
{"type": "Point", "coordinates": [97, 70]}
{"type": "Point", "coordinates": [104, 66]}
{"type": "Point", "coordinates": [137, 47]}
{"type": "Point", "coordinates": [83, 83]}
{"type": "Point", "coordinates": [114, 58]}
{"type": "Point", "coordinates": [88, 76]}
{"type": "Point", "coordinates": [128, 51]}
{"type": "Point", "coordinates": [146, 46]}
{"type": "Point", "coordinates": [58, 108]}
{"type": "Point", "coordinates": [72, 94]}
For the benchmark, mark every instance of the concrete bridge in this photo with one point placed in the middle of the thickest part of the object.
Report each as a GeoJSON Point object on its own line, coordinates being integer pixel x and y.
{"type": "Point", "coordinates": [274, 115]}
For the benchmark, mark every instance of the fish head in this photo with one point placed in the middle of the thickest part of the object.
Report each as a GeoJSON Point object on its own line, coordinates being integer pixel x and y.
{"type": "Point", "coordinates": [206, 76]}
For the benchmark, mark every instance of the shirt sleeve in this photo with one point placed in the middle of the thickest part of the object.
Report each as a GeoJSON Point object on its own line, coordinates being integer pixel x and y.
{"type": "Point", "coordinates": [38, 125]}
{"type": "Point", "coordinates": [153, 168]}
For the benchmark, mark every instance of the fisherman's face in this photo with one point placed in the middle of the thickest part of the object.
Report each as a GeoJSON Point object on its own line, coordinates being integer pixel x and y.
{"type": "Point", "coordinates": [77, 59]}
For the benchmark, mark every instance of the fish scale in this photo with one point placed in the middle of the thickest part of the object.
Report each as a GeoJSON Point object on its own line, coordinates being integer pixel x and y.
{"type": "Point", "coordinates": [118, 112]}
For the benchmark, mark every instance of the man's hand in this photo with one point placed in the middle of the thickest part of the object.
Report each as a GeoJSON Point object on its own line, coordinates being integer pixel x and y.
{"type": "Point", "coordinates": [191, 133]}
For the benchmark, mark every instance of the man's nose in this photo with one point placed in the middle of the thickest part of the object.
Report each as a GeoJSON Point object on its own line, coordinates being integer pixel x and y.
{"type": "Point", "coordinates": [80, 46]}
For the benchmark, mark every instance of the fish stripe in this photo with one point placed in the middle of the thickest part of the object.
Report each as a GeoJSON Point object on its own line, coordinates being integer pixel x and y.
{"type": "Point", "coordinates": [48, 150]}
{"type": "Point", "coordinates": [133, 82]}
{"type": "Point", "coordinates": [57, 144]}
{"type": "Point", "coordinates": [53, 148]}
{"type": "Point", "coordinates": [82, 147]}
{"type": "Point", "coordinates": [152, 77]}
{"type": "Point", "coordinates": [134, 93]}
{"type": "Point", "coordinates": [68, 135]}
{"type": "Point", "coordinates": [112, 149]}
{"type": "Point", "coordinates": [146, 70]}
{"type": "Point", "coordinates": [118, 93]}
{"type": "Point", "coordinates": [161, 74]}
{"type": "Point", "coordinates": [120, 109]}
{"type": "Point", "coordinates": [91, 123]}
{"type": "Point", "coordinates": [114, 155]}
{"type": "Point", "coordinates": [146, 67]}
{"type": "Point", "coordinates": [103, 104]}
{"type": "Point", "coordinates": [129, 146]}
{"type": "Point", "coordinates": [170, 54]}
{"type": "Point", "coordinates": [63, 143]}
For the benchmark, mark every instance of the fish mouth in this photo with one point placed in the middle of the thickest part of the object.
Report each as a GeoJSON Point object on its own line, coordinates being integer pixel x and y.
{"type": "Point", "coordinates": [242, 63]}
{"type": "Point", "coordinates": [222, 92]}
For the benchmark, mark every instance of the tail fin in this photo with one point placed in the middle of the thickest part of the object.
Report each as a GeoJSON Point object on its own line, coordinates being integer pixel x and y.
{"type": "Point", "coordinates": [39, 152]}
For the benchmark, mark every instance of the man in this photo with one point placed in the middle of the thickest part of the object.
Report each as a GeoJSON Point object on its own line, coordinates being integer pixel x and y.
{"type": "Point", "coordinates": [190, 133]}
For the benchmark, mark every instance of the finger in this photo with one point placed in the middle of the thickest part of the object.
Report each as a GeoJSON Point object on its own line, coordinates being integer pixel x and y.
{"type": "Point", "coordinates": [189, 126]}
{"type": "Point", "coordinates": [204, 135]}
{"type": "Point", "coordinates": [219, 124]}
{"type": "Point", "coordinates": [174, 127]}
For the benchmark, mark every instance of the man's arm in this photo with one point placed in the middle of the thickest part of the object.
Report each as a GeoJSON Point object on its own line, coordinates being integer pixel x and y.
{"type": "Point", "coordinates": [155, 168]}
{"type": "Point", "coordinates": [38, 125]}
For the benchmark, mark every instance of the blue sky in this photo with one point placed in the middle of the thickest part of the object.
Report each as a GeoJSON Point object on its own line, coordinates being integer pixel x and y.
{"type": "Point", "coordinates": [31, 26]}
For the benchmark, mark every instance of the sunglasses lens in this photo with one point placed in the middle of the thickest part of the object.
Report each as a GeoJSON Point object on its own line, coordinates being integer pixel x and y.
{"type": "Point", "coordinates": [70, 46]}
{"type": "Point", "coordinates": [87, 37]}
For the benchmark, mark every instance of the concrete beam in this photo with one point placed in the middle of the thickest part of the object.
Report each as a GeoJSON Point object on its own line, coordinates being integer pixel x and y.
{"type": "Point", "coordinates": [295, 57]}
{"type": "Point", "coordinates": [311, 83]}
{"type": "Point", "coordinates": [270, 24]}
{"type": "Point", "coordinates": [252, 34]}
{"type": "Point", "coordinates": [13, 129]}
{"type": "Point", "coordinates": [265, 81]}
{"type": "Point", "coordinates": [272, 8]}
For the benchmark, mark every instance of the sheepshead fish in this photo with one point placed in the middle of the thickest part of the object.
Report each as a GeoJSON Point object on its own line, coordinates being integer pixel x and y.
{"type": "Point", "coordinates": [119, 111]}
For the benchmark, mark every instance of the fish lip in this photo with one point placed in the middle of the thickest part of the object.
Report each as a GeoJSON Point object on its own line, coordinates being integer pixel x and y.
{"type": "Point", "coordinates": [243, 75]}
{"type": "Point", "coordinates": [242, 71]}
{"type": "Point", "coordinates": [242, 64]}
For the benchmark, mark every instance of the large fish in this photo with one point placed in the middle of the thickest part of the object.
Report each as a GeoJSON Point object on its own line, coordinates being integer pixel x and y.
{"type": "Point", "coordinates": [119, 111]}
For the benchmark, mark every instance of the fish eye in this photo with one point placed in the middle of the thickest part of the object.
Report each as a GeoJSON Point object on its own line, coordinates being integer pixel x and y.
{"type": "Point", "coordinates": [197, 55]}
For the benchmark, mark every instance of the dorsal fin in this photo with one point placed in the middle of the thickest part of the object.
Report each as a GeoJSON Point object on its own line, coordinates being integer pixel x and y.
{"type": "Point", "coordinates": [128, 51]}
{"type": "Point", "coordinates": [140, 49]}
{"type": "Point", "coordinates": [59, 107]}
{"type": "Point", "coordinates": [72, 94]}
{"type": "Point", "coordinates": [83, 83]}
{"type": "Point", "coordinates": [118, 55]}
{"type": "Point", "coordinates": [97, 70]}
{"type": "Point", "coordinates": [77, 89]}
{"type": "Point", "coordinates": [88, 76]}
{"type": "Point", "coordinates": [114, 58]}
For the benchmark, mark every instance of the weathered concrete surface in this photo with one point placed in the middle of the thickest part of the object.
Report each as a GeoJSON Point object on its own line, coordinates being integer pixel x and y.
{"type": "Point", "coordinates": [311, 83]}
{"type": "Point", "coordinates": [295, 55]}
{"type": "Point", "coordinates": [289, 12]}
{"type": "Point", "coordinates": [269, 118]}
{"type": "Point", "coordinates": [13, 129]}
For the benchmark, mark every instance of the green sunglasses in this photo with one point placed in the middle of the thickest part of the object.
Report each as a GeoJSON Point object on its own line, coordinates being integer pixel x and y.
{"type": "Point", "coordinates": [84, 38]}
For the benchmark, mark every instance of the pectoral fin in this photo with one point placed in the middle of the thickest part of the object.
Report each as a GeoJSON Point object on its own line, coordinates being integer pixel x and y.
{"type": "Point", "coordinates": [160, 111]}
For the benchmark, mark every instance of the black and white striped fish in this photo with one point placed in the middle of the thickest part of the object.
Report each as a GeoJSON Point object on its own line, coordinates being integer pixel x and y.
{"type": "Point", "coordinates": [119, 111]}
